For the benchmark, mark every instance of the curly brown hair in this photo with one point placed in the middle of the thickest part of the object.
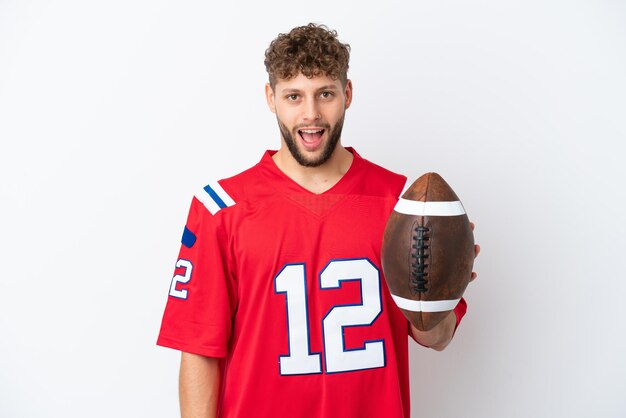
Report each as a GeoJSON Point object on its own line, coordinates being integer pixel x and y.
{"type": "Point", "coordinates": [311, 50]}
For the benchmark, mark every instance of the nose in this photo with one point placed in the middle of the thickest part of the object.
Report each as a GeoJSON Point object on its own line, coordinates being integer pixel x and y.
{"type": "Point", "coordinates": [311, 110]}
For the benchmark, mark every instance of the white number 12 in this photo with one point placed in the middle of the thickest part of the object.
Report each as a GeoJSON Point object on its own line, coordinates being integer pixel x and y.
{"type": "Point", "coordinates": [292, 282]}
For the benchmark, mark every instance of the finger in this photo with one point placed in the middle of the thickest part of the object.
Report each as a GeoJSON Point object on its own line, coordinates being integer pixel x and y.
{"type": "Point", "coordinates": [472, 225]}
{"type": "Point", "coordinates": [474, 275]}
{"type": "Point", "coordinates": [476, 250]}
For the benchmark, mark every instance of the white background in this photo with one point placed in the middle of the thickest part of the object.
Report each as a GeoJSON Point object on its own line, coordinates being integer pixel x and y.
{"type": "Point", "coordinates": [113, 113]}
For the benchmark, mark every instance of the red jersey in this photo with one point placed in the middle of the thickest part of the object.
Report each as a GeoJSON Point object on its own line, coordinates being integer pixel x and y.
{"type": "Point", "coordinates": [287, 286]}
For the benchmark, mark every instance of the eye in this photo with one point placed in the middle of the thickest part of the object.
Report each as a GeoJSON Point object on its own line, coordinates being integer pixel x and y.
{"type": "Point", "coordinates": [292, 97]}
{"type": "Point", "coordinates": [326, 94]}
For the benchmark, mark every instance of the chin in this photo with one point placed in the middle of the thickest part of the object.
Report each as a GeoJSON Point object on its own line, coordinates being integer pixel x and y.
{"type": "Point", "coordinates": [311, 158]}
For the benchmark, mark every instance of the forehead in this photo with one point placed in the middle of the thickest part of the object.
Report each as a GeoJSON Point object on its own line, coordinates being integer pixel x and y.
{"type": "Point", "coordinates": [303, 83]}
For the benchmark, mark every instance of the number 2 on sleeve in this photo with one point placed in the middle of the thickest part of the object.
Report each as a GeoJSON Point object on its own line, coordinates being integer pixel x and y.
{"type": "Point", "coordinates": [178, 278]}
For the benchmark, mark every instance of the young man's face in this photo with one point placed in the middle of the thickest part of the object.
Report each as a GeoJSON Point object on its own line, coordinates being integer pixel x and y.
{"type": "Point", "coordinates": [310, 113]}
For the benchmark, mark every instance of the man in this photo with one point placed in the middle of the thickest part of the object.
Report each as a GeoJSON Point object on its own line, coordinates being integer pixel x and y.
{"type": "Point", "coordinates": [278, 301]}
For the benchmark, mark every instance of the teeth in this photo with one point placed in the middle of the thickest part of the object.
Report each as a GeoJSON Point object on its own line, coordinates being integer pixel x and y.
{"type": "Point", "coordinates": [311, 131]}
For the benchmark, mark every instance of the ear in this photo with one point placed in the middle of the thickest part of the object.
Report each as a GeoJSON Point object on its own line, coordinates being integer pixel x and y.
{"type": "Point", "coordinates": [348, 93]}
{"type": "Point", "coordinates": [269, 97]}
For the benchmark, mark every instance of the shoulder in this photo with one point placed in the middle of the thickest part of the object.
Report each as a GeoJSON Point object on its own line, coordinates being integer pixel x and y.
{"type": "Point", "coordinates": [214, 197]}
{"type": "Point", "coordinates": [381, 180]}
{"type": "Point", "coordinates": [220, 195]}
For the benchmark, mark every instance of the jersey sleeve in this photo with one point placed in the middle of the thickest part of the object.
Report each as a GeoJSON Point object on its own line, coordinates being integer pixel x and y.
{"type": "Point", "coordinates": [202, 295]}
{"type": "Point", "coordinates": [459, 310]}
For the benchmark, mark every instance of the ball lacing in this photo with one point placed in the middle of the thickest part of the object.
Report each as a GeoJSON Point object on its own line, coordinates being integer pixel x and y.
{"type": "Point", "coordinates": [420, 255]}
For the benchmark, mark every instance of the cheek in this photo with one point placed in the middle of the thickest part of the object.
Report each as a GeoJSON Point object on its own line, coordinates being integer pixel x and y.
{"type": "Point", "coordinates": [336, 113]}
{"type": "Point", "coordinates": [287, 116]}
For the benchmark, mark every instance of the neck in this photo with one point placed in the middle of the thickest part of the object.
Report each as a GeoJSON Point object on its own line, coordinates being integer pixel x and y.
{"type": "Point", "coordinates": [315, 179]}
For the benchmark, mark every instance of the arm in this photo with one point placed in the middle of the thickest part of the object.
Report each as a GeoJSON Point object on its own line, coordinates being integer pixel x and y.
{"type": "Point", "coordinates": [440, 336]}
{"type": "Point", "coordinates": [199, 386]}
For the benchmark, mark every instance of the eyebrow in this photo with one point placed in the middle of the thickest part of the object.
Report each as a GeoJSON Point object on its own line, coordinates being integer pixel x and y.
{"type": "Point", "coordinates": [327, 87]}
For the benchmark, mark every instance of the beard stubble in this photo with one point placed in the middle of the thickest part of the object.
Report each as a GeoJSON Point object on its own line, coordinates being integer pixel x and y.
{"type": "Point", "coordinates": [327, 152]}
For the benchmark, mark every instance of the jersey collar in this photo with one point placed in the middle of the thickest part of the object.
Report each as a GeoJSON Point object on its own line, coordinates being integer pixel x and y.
{"type": "Point", "coordinates": [280, 179]}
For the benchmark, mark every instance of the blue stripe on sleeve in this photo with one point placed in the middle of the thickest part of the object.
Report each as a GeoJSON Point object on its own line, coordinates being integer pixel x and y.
{"type": "Point", "coordinates": [189, 238]}
{"type": "Point", "coordinates": [215, 197]}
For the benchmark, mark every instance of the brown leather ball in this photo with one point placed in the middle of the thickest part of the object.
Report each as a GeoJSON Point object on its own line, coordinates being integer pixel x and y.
{"type": "Point", "coordinates": [428, 251]}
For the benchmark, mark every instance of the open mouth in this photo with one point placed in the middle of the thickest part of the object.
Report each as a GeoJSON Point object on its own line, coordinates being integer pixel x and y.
{"type": "Point", "coordinates": [311, 137]}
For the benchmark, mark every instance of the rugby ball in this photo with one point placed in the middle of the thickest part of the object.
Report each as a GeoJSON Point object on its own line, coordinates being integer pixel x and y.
{"type": "Point", "coordinates": [427, 251]}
